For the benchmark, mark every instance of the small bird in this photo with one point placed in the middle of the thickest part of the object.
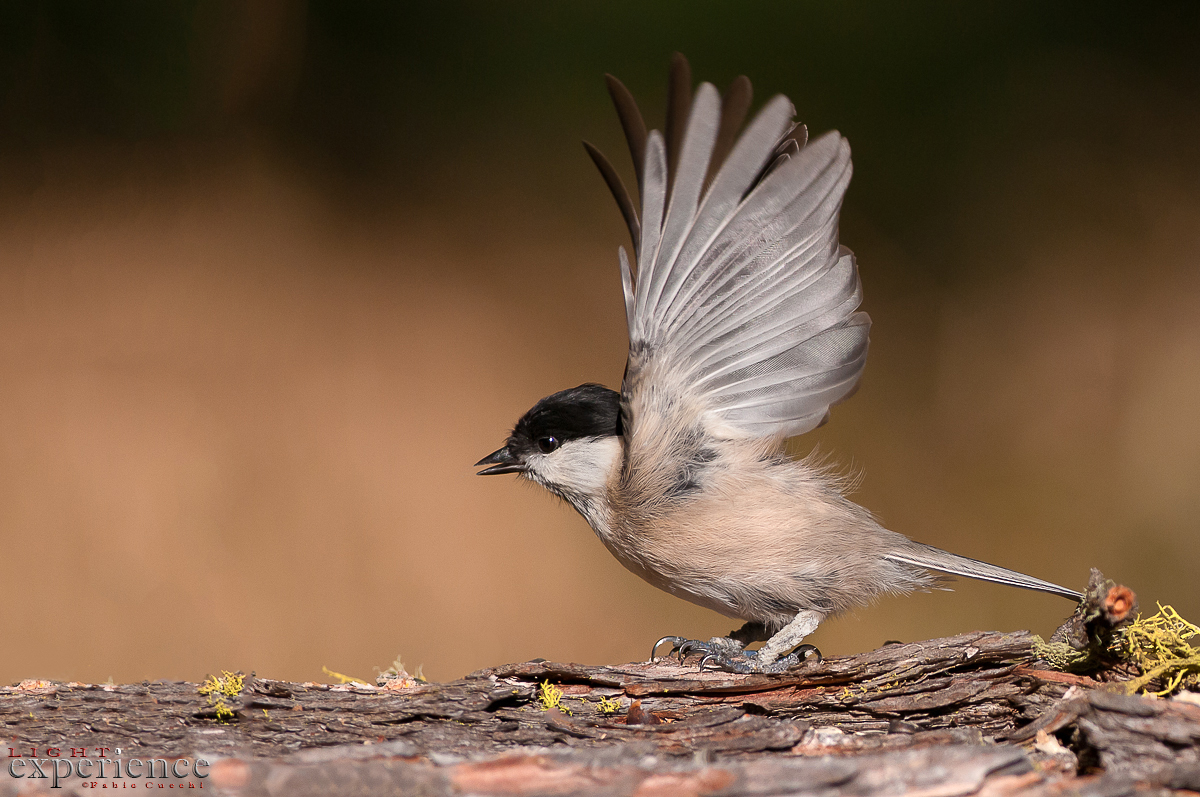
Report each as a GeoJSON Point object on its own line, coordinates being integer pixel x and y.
{"type": "Point", "coordinates": [744, 329]}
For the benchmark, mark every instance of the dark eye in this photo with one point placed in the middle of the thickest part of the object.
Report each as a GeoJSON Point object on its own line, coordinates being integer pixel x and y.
{"type": "Point", "coordinates": [548, 444]}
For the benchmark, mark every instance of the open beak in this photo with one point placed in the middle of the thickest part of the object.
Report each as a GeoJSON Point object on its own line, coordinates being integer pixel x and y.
{"type": "Point", "coordinates": [501, 461]}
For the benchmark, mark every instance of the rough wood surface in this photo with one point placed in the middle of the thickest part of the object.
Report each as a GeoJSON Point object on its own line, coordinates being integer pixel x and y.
{"type": "Point", "coordinates": [968, 714]}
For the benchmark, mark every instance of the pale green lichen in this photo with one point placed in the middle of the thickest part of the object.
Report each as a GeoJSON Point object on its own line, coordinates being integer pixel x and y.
{"type": "Point", "coordinates": [1061, 656]}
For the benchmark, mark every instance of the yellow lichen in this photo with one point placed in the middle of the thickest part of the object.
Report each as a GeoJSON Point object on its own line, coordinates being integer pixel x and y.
{"type": "Point", "coordinates": [1160, 647]}
{"type": "Point", "coordinates": [227, 683]}
{"type": "Point", "coordinates": [550, 696]}
{"type": "Point", "coordinates": [608, 706]}
{"type": "Point", "coordinates": [345, 679]}
{"type": "Point", "coordinates": [224, 713]}
{"type": "Point", "coordinates": [218, 687]}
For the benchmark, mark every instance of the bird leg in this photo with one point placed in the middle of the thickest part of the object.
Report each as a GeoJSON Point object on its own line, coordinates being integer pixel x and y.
{"type": "Point", "coordinates": [730, 654]}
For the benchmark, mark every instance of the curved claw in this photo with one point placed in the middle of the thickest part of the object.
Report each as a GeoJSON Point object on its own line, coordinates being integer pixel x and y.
{"type": "Point", "coordinates": [675, 641]}
{"type": "Point", "coordinates": [809, 652]}
{"type": "Point", "coordinates": [707, 658]}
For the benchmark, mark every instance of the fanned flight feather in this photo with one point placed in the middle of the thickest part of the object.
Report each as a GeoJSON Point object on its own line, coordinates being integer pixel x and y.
{"type": "Point", "coordinates": [742, 289]}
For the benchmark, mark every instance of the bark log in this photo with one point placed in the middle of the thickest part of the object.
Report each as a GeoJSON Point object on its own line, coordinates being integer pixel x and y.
{"type": "Point", "coordinates": [970, 714]}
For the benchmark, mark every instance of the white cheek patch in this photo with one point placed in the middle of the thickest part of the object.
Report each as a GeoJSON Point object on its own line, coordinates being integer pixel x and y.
{"type": "Point", "coordinates": [580, 467]}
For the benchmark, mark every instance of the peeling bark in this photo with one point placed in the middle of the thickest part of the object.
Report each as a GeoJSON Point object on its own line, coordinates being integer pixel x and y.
{"type": "Point", "coordinates": [967, 714]}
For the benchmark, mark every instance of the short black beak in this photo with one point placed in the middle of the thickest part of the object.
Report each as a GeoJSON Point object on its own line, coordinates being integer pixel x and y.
{"type": "Point", "coordinates": [502, 461]}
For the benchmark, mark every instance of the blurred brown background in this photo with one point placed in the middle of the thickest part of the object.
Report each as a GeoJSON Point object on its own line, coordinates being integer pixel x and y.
{"type": "Point", "coordinates": [274, 274]}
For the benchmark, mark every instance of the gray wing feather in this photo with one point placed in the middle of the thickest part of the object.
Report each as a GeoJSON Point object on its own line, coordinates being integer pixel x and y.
{"type": "Point", "coordinates": [797, 273]}
{"type": "Point", "coordinates": [735, 104]}
{"type": "Point", "coordinates": [698, 140]}
{"type": "Point", "coordinates": [742, 290]}
{"type": "Point", "coordinates": [654, 197]}
{"type": "Point", "coordinates": [806, 381]}
{"type": "Point", "coordinates": [733, 179]}
{"type": "Point", "coordinates": [796, 204]}
{"type": "Point", "coordinates": [627, 289]}
{"type": "Point", "coordinates": [753, 300]}
{"type": "Point", "coordinates": [783, 321]}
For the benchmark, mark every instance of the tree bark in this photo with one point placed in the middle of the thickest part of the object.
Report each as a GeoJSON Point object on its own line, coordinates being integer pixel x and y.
{"type": "Point", "coordinates": [974, 713]}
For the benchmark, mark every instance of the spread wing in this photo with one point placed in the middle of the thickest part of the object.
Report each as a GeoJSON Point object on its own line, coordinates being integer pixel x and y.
{"type": "Point", "coordinates": [742, 297]}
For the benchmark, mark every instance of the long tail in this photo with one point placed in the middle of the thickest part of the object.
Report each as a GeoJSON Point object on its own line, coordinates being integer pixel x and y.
{"type": "Point", "coordinates": [931, 558]}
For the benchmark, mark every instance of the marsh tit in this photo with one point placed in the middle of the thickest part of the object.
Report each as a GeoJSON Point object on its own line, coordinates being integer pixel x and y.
{"type": "Point", "coordinates": [743, 331]}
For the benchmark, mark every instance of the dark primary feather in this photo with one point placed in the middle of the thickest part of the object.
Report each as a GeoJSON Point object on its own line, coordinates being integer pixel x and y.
{"type": "Point", "coordinates": [679, 104]}
{"type": "Point", "coordinates": [631, 122]}
{"type": "Point", "coordinates": [617, 187]}
{"type": "Point", "coordinates": [735, 104]}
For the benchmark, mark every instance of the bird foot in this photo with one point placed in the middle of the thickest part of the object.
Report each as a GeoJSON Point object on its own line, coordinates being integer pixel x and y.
{"type": "Point", "coordinates": [723, 653]}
